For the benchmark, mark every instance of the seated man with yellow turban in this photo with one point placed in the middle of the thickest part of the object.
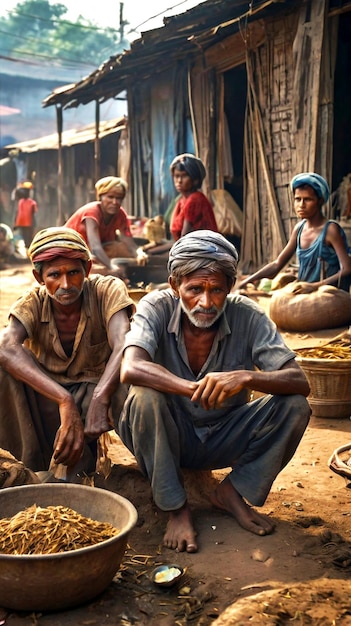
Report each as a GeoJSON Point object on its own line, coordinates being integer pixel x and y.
{"type": "Point", "coordinates": [60, 358]}
{"type": "Point", "coordinates": [99, 222]}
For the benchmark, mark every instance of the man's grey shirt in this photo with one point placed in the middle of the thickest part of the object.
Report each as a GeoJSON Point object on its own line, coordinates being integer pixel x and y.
{"type": "Point", "coordinates": [246, 339]}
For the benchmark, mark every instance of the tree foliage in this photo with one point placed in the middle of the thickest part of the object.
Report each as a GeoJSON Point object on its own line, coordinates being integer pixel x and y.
{"type": "Point", "coordinates": [36, 28]}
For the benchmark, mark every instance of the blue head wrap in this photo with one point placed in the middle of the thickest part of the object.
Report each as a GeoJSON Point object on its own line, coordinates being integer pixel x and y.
{"type": "Point", "coordinates": [317, 182]}
{"type": "Point", "coordinates": [202, 248]}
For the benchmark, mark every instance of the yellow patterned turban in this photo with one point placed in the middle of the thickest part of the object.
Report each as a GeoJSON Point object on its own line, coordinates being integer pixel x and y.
{"type": "Point", "coordinates": [104, 185]}
{"type": "Point", "coordinates": [52, 242]}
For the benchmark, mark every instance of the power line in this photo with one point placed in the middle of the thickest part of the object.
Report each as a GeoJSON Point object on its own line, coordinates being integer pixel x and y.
{"type": "Point", "coordinates": [37, 55]}
{"type": "Point", "coordinates": [42, 55]}
{"type": "Point", "coordinates": [137, 28]}
{"type": "Point", "coordinates": [47, 43]}
{"type": "Point", "coordinates": [60, 21]}
{"type": "Point", "coordinates": [53, 21]}
{"type": "Point", "coordinates": [43, 42]}
{"type": "Point", "coordinates": [78, 26]}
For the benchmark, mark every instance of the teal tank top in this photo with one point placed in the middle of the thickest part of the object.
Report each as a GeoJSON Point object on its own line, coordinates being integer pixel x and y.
{"type": "Point", "coordinates": [319, 260]}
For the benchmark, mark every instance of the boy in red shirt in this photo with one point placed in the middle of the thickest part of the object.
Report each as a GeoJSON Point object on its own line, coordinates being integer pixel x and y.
{"type": "Point", "coordinates": [25, 216]}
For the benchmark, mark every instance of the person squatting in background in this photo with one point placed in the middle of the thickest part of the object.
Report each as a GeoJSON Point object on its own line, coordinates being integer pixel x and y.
{"type": "Point", "coordinates": [104, 226]}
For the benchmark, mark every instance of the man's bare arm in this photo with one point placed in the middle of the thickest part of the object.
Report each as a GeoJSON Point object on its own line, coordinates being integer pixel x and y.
{"type": "Point", "coordinates": [97, 421]}
{"type": "Point", "coordinates": [19, 362]}
{"type": "Point", "coordinates": [216, 387]}
{"type": "Point", "coordinates": [138, 369]}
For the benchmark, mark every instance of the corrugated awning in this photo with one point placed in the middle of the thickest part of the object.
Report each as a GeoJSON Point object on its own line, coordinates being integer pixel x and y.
{"type": "Point", "coordinates": [71, 137]}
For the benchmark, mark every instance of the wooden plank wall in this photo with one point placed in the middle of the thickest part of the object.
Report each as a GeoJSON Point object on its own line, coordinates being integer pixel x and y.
{"type": "Point", "coordinates": [269, 144]}
{"type": "Point", "coordinates": [288, 124]}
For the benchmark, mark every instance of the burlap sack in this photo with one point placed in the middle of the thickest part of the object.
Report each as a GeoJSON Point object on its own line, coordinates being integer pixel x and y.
{"type": "Point", "coordinates": [229, 217]}
{"type": "Point", "coordinates": [13, 472]}
{"type": "Point", "coordinates": [282, 279]}
{"type": "Point", "coordinates": [328, 307]}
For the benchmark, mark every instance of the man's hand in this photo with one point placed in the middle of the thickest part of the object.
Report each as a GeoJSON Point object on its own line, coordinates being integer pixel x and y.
{"type": "Point", "coordinates": [303, 287]}
{"type": "Point", "coordinates": [97, 419]}
{"type": "Point", "coordinates": [216, 387]}
{"type": "Point", "coordinates": [141, 257]}
{"type": "Point", "coordinates": [69, 440]}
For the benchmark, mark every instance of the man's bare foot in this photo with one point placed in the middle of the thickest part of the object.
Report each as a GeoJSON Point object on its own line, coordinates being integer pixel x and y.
{"type": "Point", "coordinates": [180, 534]}
{"type": "Point", "coordinates": [227, 498]}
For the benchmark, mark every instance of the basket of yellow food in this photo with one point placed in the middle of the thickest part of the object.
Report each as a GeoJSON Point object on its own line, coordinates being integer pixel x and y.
{"type": "Point", "coordinates": [60, 544]}
{"type": "Point", "coordinates": [328, 371]}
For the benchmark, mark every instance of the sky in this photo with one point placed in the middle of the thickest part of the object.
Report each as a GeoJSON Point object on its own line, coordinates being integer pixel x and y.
{"type": "Point", "coordinates": [106, 12]}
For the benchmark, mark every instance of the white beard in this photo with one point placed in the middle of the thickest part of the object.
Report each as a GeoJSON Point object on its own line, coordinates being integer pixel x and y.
{"type": "Point", "coordinates": [191, 314]}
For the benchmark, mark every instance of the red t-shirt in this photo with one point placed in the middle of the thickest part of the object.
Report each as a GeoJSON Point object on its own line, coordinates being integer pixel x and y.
{"type": "Point", "coordinates": [197, 210]}
{"type": "Point", "coordinates": [107, 231]}
{"type": "Point", "coordinates": [25, 212]}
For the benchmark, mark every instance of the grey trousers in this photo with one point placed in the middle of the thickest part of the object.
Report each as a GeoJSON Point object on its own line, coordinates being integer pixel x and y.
{"type": "Point", "coordinates": [256, 440]}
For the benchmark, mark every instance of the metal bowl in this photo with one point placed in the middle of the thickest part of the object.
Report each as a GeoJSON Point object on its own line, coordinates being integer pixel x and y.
{"type": "Point", "coordinates": [62, 580]}
{"type": "Point", "coordinates": [167, 575]}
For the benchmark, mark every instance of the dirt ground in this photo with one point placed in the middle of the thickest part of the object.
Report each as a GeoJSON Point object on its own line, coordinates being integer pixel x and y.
{"type": "Point", "coordinates": [300, 574]}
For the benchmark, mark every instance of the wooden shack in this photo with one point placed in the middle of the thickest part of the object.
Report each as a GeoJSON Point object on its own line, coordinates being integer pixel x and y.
{"type": "Point", "coordinates": [260, 91]}
{"type": "Point", "coordinates": [76, 158]}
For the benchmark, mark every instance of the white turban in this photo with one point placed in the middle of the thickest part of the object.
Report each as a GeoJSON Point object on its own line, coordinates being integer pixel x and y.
{"type": "Point", "coordinates": [199, 249]}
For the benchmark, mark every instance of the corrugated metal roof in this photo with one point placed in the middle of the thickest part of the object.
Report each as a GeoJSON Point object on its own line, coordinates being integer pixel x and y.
{"type": "Point", "coordinates": [5, 110]}
{"type": "Point", "coordinates": [70, 137]}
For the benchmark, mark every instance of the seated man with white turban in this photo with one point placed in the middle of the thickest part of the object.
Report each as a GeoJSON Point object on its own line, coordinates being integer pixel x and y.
{"type": "Point", "coordinates": [320, 244]}
{"type": "Point", "coordinates": [99, 222]}
{"type": "Point", "coordinates": [60, 358]}
{"type": "Point", "coordinates": [194, 354]}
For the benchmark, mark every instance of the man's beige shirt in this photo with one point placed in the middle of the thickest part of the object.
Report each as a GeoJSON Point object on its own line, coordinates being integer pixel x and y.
{"type": "Point", "coordinates": [102, 297]}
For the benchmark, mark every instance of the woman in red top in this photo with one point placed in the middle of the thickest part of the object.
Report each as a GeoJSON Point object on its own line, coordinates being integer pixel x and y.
{"type": "Point", "coordinates": [104, 226]}
{"type": "Point", "coordinates": [193, 210]}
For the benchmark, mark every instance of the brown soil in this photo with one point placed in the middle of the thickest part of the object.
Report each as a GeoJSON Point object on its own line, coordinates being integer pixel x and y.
{"type": "Point", "coordinates": [299, 574]}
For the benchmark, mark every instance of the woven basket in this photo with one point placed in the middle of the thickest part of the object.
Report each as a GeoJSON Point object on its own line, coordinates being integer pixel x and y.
{"type": "Point", "coordinates": [330, 384]}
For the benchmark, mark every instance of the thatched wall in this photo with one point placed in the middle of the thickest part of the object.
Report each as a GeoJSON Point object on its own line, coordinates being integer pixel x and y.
{"type": "Point", "coordinates": [290, 61]}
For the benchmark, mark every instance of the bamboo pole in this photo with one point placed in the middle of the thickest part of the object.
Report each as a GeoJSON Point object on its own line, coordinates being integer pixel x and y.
{"type": "Point", "coordinates": [97, 147]}
{"type": "Point", "coordinates": [59, 121]}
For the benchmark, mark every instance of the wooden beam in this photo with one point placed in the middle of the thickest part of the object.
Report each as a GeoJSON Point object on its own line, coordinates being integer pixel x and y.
{"type": "Point", "coordinates": [59, 122]}
{"type": "Point", "coordinates": [97, 147]}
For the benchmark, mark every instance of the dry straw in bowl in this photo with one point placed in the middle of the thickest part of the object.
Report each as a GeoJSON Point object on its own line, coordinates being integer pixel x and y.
{"type": "Point", "coordinates": [38, 530]}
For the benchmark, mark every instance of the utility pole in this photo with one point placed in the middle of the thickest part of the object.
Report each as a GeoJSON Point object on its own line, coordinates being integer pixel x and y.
{"type": "Point", "coordinates": [122, 22]}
